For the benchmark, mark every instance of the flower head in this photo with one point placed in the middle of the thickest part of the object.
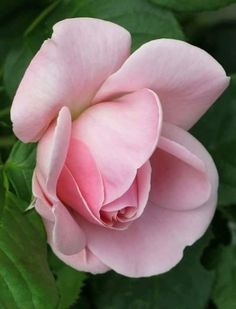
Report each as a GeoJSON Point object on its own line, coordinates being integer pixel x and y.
{"type": "Point", "coordinates": [119, 182]}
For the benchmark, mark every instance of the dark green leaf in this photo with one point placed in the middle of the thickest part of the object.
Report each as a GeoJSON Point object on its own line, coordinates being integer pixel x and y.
{"type": "Point", "coordinates": [25, 279]}
{"type": "Point", "coordinates": [144, 20]}
{"type": "Point", "coordinates": [12, 30]}
{"type": "Point", "coordinates": [186, 286]}
{"type": "Point", "coordinates": [8, 7]}
{"type": "Point", "coordinates": [69, 281]}
{"type": "Point", "coordinates": [193, 5]}
{"type": "Point", "coordinates": [218, 39]}
{"type": "Point", "coordinates": [19, 169]}
{"type": "Point", "coordinates": [15, 65]}
{"type": "Point", "coordinates": [224, 291]}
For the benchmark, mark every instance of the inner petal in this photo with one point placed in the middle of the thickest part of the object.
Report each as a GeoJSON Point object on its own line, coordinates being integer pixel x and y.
{"type": "Point", "coordinates": [80, 185]}
{"type": "Point", "coordinates": [122, 209]}
{"type": "Point", "coordinates": [121, 212]}
{"type": "Point", "coordinates": [180, 177]}
{"type": "Point", "coordinates": [121, 136]}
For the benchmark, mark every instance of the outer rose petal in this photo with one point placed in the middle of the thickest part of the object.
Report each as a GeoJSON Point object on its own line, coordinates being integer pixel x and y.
{"type": "Point", "coordinates": [186, 79]}
{"type": "Point", "coordinates": [186, 140]}
{"type": "Point", "coordinates": [155, 242]}
{"type": "Point", "coordinates": [121, 136]}
{"type": "Point", "coordinates": [63, 232]}
{"type": "Point", "coordinates": [85, 260]}
{"type": "Point", "coordinates": [42, 205]}
{"type": "Point", "coordinates": [52, 151]}
{"type": "Point", "coordinates": [181, 178]}
{"type": "Point", "coordinates": [68, 70]}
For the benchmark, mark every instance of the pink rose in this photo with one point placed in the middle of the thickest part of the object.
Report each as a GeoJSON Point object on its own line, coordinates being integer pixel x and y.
{"type": "Point", "coordinates": [119, 182]}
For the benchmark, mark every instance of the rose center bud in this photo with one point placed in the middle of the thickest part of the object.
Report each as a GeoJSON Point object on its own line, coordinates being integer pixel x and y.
{"type": "Point", "coordinates": [82, 188]}
{"type": "Point", "coordinates": [118, 218]}
{"type": "Point", "coordinates": [122, 211]}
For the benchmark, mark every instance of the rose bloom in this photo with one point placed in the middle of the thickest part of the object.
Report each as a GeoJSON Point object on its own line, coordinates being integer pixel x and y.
{"type": "Point", "coordinates": [119, 182]}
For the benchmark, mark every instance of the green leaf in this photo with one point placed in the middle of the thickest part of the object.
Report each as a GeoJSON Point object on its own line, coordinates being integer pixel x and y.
{"type": "Point", "coordinates": [216, 130]}
{"type": "Point", "coordinates": [144, 20]}
{"type": "Point", "coordinates": [69, 281]}
{"type": "Point", "coordinates": [14, 67]}
{"type": "Point", "coordinates": [7, 8]}
{"type": "Point", "coordinates": [193, 5]}
{"type": "Point", "coordinates": [12, 30]}
{"type": "Point", "coordinates": [216, 35]}
{"type": "Point", "coordinates": [186, 286]}
{"type": "Point", "coordinates": [19, 169]}
{"type": "Point", "coordinates": [224, 291]}
{"type": "Point", "coordinates": [25, 279]}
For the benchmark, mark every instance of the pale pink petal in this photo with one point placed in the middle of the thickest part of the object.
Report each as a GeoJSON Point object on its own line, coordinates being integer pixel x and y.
{"type": "Point", "coordinates": [42, 205]}
{"type": "Point", "coordinates": [185, 139]}
{"type": "Point", "coordinates": [182, 171]}
{"type": "Point", "coordinates": [132, 203]}
{"type": "Point", "coordinates": [121, 136]}
{"type": "Point", "coordinates": [67, 71]}
{"type": "Point", "coordinates": [186, 79]}
{"type": "Point", "coordinates": [85, 260]}
{"type": "Point", "coordinates": [63, 232]}
{"type": "Point", "coordinates": [83, 167]}
{"type": "Point", "coordinates": [44, 209]}
{"type": "Point", "coordinates": [129, 198]}
{"type": "Point", "coordinates": [154, 243]}
{"type": "Point", "coordinates": [137, 195]}
{"type": "Point", "coordinates": [144, 186]}
{"type": "Point", "coordinates": [80, 185]}
{"type": "Point", "coordinates": [67, 236]}
{"type": "Point", "coordinates": [51, 153]}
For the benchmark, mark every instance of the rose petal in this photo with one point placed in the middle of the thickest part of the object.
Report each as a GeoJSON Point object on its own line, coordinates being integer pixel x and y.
{"type": "Point", "coordinates": [144, 186]}
{"type": "Point", "coordinates": [186, 79]}
{"type": "Point", "coordinates": [68, 70]}
{"type": "Point", "coordinates": [181, 171]}
{"type": "Point", "coordinates": [80, 184]}
{"type": "Point", "coordinates": [67, 236]}
{"type": "Point", "coordinates": [154, 243]}
{"type": "Point", "coordinates": [63, 232]}
{"type": "Point", "coordinates": [85, 260]}
{"type": "Point", "coordinates": [51, 153]}
{"type": "Point", "coordinates": [42, 205]}
{"type": "Point", "coordinates": [135, 198]}
{"type": "Point", "coordinates": [121, 136]}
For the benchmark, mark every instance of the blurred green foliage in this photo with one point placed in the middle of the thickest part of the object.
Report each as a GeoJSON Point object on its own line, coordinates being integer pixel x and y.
{"type": "Point", "coordinates": [193, 5]}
